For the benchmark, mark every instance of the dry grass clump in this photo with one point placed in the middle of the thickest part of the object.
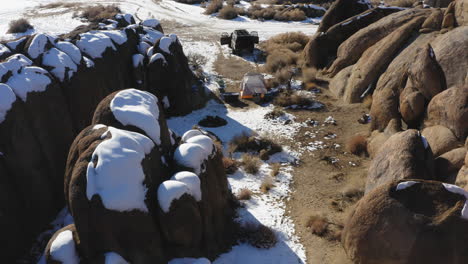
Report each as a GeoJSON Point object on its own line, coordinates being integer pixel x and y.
{"type": "Point", "coordinates": [19, 26]}
{"type": "Point", "coordinates": [267, 184]}
{"type": "Point", "coordinates": [213, 7]}
{"type": "Point", "coordinates": [59, 4]}
{"type": "Point", "coordinates": [244, 194]}
{"type": "Point", "coordinates": [99, 12]}
{"type": "Point", "coordinates": [256, 11]}
{"type": "Point", "coordinates": [228, 12]}
{"type": "Point", "coordinates": [250, 163]}
{"type": "Point", "coordinates": [283, 51]}
{"type": "Point", "coordinates": [367, 101]}
{"type": "Point", "coordinates": [287, 98]}
{"type": "Point", "coordinates": [318, 224]}
{"type": "Point", "coordinates": [230, 165]}
{"type": "Point", "coordinates": [190, 2]}
{"type": "Point", "coordinates": [401, 3]}
{"type": "Point", "coordinates": [258, 235]}
{"type": "Point", "coordinates": [290, 15]}
{"type": "Point", "coordinates": [357, 145]}
{"type": "Point", "coordinates": [309, 75]}
{"type": "Point", "coordinates": [274, 114]}
{"type": "Point", "coordinates": [275, 169]}
{"type": "Point", "coordinates": [248, 143]}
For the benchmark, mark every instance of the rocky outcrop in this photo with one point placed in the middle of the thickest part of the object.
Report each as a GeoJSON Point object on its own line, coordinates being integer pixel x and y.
{"type": "Point", "coordinates": [438, 3]}
{"type": "Point", "coordinates": [114, 165]}
{"type": "Point", "coordinates": [378, 139]}
{"type": "Point", "coordinates": [405, 155]}
{"type": "Point", "coordinates": [375, 60]}
{"type": "Point", "coordinates": [324, 45]}
{"type": "Point", "coordinates": [450, 53]}
{"type": "Point", "coordinates": [409, 221]}
{"type": "Point", "coordinates": [341, 10]}
{"type": "Point", "coordinates": [352, 49]}
{"type": "Point", "coordinates": [450, 109]}
{"type": "Point", "coordinates": [440, 138]}
{"type": "Point", "coordinates": [49, 89]}
{"type": "Point", "coordinates": [448, 164]}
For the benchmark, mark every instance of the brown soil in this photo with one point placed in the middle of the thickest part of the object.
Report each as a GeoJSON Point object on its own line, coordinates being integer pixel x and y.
{"type": "Point", "coordinates": [321, 187]}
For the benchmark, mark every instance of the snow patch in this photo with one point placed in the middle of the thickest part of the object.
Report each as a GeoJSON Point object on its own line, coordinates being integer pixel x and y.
{"type": "Point", "coordinates": [4, 49]}
{"type": "Point", "coordinates": [158, 56]}
{"type": "Point", "coordinates": [89, 62]}
{"type": "Point", "coordinates": [191, 155]}
{"type": "Point", "coordinates": [191, 133]}
{"type": "Point", "coordinates": [152, 22]}
{"type": "Point", "coordinates": [189, 261]}
{"type": "Point", "coordinates": [118, 36]}
{"type": "Point", "coordinates": [404, 185]}
{"type": "Point", "coordinates": [138, 108]}
{"type": "Point", "coordinates": [98, 126]}
{"type": "Point", "coordinates": [455, 189]}
{"type": "Point", "coordinates": [13, 64]}
{"type": "Point", "coordinates": [143, 47]}
{"type": "Point", "coordinates": [149, 52]}
{"type": "Point", "coordinates": [191, 180]}
{"type": "Point", "coordinates": [29, 79]}
{"type": "Point", "coordinates": [37, 46]}
{"type": "Point", "coordinates": [70, 49]}
{"type": "Point", "coordinates": [63, 65]}
{"type": "Point", "coordinates": [151, 35]}
{"type": "Point", "coordinates": [204, 141]}
{"type": "Point", "coordinates": [63, 248]}
{"type": "Point", "coordinates": [137, 60]}
{"type": "Point", "coordinates": [118, 175]}
{"type": "Point", "coordinates": [13, 44]}
{"type": "Point", "coordinates": [165, 43]}
{"type": "Point", "coordinates": [166, 103]}
{"type": "Point", "coordinates": [169, 191]}
{"type": "Point", "coordinates": [94, 44]}
{"type": "Point", "coordinates": [114, 258]}
{"type": "Point", "coordinates": [7, 98]}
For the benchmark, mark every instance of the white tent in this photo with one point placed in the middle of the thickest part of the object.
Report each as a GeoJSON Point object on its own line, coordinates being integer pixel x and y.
{"type": "Point", "coordinates": [252, 85]}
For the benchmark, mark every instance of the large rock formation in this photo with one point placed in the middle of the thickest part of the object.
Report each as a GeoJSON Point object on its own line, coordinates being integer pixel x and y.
{"type": "Point", "coordinates": [49, 89]}
{"type": "Point", "coordinates": [133, 192]}
{"type": "Point", "coordinates": [409, 222]}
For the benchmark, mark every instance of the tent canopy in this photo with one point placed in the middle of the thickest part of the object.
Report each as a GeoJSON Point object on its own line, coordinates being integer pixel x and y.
{"type": "Point", "coordinates": [253, 83]}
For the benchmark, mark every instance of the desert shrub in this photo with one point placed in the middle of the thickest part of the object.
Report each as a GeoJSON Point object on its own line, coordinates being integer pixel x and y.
{"type": "Point", "coordinates": [267, 184]}
{"type": "Point", "coordinates": [256, 11]}
{"type": "Point", "coordinates": [250, 163]}
{"type": "Point", "coordinates": [213, 7]}
{"type": "Point", "coordinates": [357, 145]}
{"type": "Point", "coordinates": [190, 2]}
{"type": "Point", "coordinates": [244, 194]}
{"type": "Point", "coordinates": [290, 15]}
{"type": "Point", "coordinates": [258, 235]}
{"type": "Point", "coordinates": [19, 26]}
{"type": "Point", "coordinates": [367, 101]}
{"type": "Point", "coordinates": [275, 169]}
{"type": "Point", "coordinates": [99, 12]}
{"type": "Point", "coordinates": [275, 113]}
{"type": "Point", "coordinates": [247, 143]}
{"type": "Point", "coordinates": [284, 75]}
{"type": "Point", "coordinates": [287, 98]}
{"type": "Point", "coordinates": [318, 224]}
{"type": "Point", "coordinates": [401, 3]}
{"type": "Point", "coordinates": [228, 12]}
{"type": "Point", "coordinates": [309, 75]}
{"type": "Point", "coordinates": [230, 165]}
{"type": "Point", "coordinates": [283, 51]}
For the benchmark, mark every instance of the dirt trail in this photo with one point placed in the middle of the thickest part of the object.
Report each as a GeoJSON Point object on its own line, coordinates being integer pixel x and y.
{"type": "Point", "coordinates": [321, 188]}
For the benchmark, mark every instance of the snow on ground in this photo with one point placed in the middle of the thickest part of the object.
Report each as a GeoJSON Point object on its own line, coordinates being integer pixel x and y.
{"type": "Point", "coordinates": [267, 209]}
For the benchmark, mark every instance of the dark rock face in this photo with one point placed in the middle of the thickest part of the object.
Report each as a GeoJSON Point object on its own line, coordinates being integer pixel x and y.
{"type": "Point", "coordinates": [324, 44]}
{"type": "Point", "coordinates": [342, 10]}
{"type": "Point", "coordinates": [121, 194]}
{"type": "Point", "coordinates": [408, 222]}
{"type": "Point", "coordinates": [50, 88]}
{"type": "Point", "coordinates": [404, 155]}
